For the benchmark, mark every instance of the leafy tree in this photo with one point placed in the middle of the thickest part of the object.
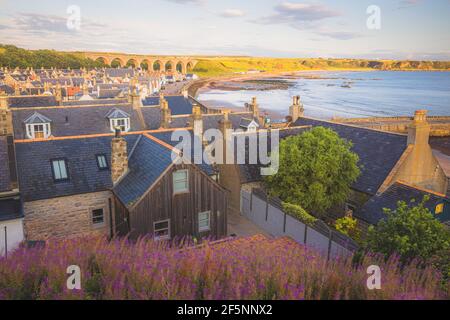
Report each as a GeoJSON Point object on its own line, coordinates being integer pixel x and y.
{"type": "Point", "coordinates": [316, 170]}
{"type": "Point", "coordinates": [410, 231]}
{"type": "Point", "coordinates": [11, 56]}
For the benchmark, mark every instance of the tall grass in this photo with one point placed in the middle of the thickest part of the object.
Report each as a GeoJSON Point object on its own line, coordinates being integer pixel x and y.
{"type": "Point", "coordinates": [254, 268]}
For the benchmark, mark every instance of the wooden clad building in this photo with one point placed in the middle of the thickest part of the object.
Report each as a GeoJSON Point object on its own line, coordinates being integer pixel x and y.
{"type": "Point", "coordinates": [200, 211]}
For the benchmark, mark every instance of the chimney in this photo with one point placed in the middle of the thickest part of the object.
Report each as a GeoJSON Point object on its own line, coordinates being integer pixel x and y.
{"type": "Point", "coordinates": [296, 110]}
{"type": "Point", "coordinates": [165, 112]}
{"type": "Point", "coordinates": [419, 129]}
{"type": "Point", "coordinates": [58, 93]}
{"type": "Point", "coordinates": [421, 167]}
{"type": "Point", "coordinates": [4, 101]}
{"type": "Point", "coordinates": [119, 157]}
{"type": "Point", "coordinates": [197, 121]}
{"type": "Point", "coordinates": [136, 102]}
{"type": "Point", "coordinates": [254, 107]}
{"type": "Point", "coordinates": [225, 127]}
{"type": "Point", "coordinates": [85, 88]}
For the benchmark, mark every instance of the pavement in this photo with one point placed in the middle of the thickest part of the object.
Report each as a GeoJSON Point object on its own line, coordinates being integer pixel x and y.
{"type": "Point", "coordinates": [243, 227]}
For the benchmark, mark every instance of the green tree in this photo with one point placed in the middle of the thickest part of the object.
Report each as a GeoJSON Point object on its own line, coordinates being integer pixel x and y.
{"type": "Point", "coordinates": [316, 170]}
{"type": "Point", "coordinates": [410, 231]}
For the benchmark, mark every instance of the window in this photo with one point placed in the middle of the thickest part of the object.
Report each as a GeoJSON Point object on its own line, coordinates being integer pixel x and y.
{"type": "Point", "coordinates": [102, 163]}
{"type": "Point", "coordinates": [439, 208]}
{"type": "Point", "coordinates": [180, 181]}
{"type": "Point", "coordinates": [98, 217]}
{"type": "Point", "coordinates": [204, 219]}
{"type": "Point", "coordinates": [122, 123]}
{"type": "Point", "coordinates": [38, 131]}
{"type": "Point", "coordinates": [59, 168]}
{"type": "Point", "coordinates": [161, 230]}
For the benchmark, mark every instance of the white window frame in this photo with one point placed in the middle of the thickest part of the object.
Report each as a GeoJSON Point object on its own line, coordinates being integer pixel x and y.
{"type": "Point", "coordinates": [31, 130]}
{"type": "Point", "coordinates": [99, 163]}
{"type": "Point", "coordinates": [66, 170]}
{"type": "Point", "coordinates": [164, 237]}
{"type": "Point", "coordinates": [200, 219]}
{"type": "Point", "coordinates": [174, 181]}
{"type": "Point", "coordinates": [98, 224]}
{"type": "Point", "coordinates": [115, 123]}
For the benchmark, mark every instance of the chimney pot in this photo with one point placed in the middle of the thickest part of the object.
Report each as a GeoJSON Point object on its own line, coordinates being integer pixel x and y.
{"type": "Point", "coordinates": [420, 115]}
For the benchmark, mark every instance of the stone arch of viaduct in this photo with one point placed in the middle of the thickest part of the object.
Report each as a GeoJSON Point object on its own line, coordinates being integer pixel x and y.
{"type": "Point", "coordinates": [155, 63]}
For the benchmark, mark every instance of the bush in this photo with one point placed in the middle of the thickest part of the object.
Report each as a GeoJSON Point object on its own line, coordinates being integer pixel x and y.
{"type": "Point", "coordinates": [299, 213]}
{"type": "Point", "coordinates": [348, 226]}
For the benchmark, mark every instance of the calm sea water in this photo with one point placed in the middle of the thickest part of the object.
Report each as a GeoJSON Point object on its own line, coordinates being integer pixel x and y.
{"type": "Point", "coordinates": [378, 93]}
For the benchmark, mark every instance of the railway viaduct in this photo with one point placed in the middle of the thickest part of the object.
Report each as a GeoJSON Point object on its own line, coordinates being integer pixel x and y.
{"type": "Point", "coordinates": [156, 63]}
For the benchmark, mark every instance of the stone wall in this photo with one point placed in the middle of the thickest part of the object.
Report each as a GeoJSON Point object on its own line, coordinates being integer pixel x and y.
{"type": "Point", "coordinates": [66, 217]}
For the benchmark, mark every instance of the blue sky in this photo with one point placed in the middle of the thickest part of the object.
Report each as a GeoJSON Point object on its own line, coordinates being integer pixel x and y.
{"type": "Point", "coordinates": [410, 29]}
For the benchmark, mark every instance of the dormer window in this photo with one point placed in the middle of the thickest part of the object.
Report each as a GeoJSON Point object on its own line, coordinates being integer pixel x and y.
{"type": "Point", "coordinates": [123, 124]}
{"type": "Point", "coordinates": [38, 126]}
{"type": "Point", "coordinates": [119, 119]}
{"type": "Point", "coordinates": [249, 125]}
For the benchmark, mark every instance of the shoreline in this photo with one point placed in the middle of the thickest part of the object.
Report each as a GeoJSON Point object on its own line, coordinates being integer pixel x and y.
{"type": "Point", "coordinates": [203, 83]}
{"type": "Point", "coordinates": [249, 84]}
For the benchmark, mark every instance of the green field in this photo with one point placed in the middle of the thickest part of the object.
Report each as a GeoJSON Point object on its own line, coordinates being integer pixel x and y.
{"type": "Point", "coordinates": [223, 66]}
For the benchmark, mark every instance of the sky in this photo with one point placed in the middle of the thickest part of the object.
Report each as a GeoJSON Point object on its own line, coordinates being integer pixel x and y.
{"type": "Point", "coordinates": [403, 29]}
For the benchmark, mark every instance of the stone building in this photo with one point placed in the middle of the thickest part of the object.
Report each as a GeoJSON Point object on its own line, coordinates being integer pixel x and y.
{"type": "Point", "coordinates": [100, 184]}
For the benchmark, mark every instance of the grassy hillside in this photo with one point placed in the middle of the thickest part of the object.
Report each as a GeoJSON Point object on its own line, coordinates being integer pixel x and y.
{"type": "Point", "coordinates": [244, 268]}
{"type": "Point", "coordinates": [214, 67]}
{"type": "Point", "coordinates": [11, 56]}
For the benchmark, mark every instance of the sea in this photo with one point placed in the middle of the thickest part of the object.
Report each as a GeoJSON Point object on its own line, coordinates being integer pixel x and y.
{"type": "Point", "coordinates": [328, 94]}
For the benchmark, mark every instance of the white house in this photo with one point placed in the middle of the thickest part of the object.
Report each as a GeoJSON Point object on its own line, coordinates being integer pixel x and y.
{"type": "Point", "coordinates": [11, 224]}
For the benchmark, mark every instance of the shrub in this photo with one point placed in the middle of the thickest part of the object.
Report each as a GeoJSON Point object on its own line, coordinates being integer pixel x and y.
{"type": "Point", "coordinates": [299, 213]}
{"type": "Point", "coordinates": [348, 226]}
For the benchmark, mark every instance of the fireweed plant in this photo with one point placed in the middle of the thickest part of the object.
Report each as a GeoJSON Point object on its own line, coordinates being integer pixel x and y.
{"type": "Point", "coordinates": [240, 268]}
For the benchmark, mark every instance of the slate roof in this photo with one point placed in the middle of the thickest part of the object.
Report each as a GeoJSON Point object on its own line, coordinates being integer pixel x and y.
{"type": "Point", "coordinates": [32, 101]}
{"type": "Point", "coordinates": [119, 72]}
{"type": "Point", "coordinates": [72, 121]}
{"type": "Point", "coordinates": [245, 122]}
{"type": "Point", "coordinates": [212, 120]}
{"type": "Point", "coordinates": [7, 89]}
{"type": "Point", "coordinates": [35, 173]}
{"type": "Point", "coordinates": [147, 162]}
{"type": "Point", "coordinates": [117, 114]}
{"type": "Point", "coordinates": [109, 93]}
{"type": "Point", "coordinates": [441, 144]}
{"type": "Point", "coordinates": [5, 182]}
{"type": "Point", "coordinates": [36, 117]}
{"type": "Point", "coordinates": [178, 105]}
{"type": "Point", "coordinates": [94, 102]}
{"type": "Point", "coordinates": [378, 151]}
{"type": "Point", "coordinates": [166, 137]}
{"type": "Point", "coordinates": [10, 208]}
{"type": "Point", "coordinates": [372, 211]}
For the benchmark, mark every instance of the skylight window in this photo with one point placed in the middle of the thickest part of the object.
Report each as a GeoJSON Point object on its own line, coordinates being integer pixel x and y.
{"type": "Point", "coordinates": [102, 163]}
{"type": "Point", "coordinates": [59, 169]}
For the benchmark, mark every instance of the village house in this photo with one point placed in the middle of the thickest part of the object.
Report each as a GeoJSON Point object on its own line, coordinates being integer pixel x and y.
{"type": "Point", "coordinates": [115, 185]}
{"type": "Point", "coordinates": [11, 211]}
{"type": "Point", "coordinates": [387, 161]}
